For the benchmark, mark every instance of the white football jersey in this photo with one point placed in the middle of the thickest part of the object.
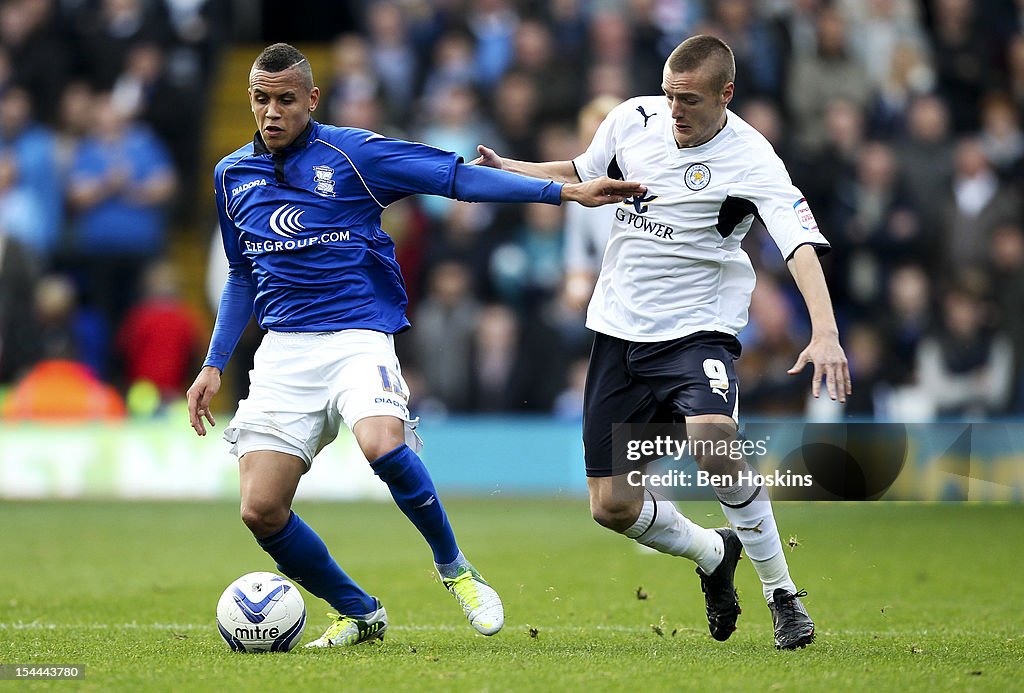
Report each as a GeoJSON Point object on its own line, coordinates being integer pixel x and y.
{"type": "Point", "coordinates": [673, 264]}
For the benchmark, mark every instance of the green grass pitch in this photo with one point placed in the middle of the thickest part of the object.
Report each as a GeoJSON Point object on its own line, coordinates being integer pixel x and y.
{"type": "Point", "coordinates": [906, 597]}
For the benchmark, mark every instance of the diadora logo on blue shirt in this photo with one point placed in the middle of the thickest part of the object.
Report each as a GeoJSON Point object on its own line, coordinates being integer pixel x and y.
{"type": "Point", "coordinates": [248, 186]}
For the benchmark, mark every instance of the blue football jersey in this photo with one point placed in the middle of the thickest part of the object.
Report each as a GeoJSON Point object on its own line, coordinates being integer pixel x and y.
{"type": "Point", "coordinates": [306, 224]}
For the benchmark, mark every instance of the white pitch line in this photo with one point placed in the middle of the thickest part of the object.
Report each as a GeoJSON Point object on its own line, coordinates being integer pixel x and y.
{"type": "Point", "coordinates": [202, 626]}
{"type": "Point", "coordinates": [34, 625]}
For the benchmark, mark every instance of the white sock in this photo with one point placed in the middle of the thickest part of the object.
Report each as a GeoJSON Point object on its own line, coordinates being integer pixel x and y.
{"type": "Point", "coordinates": [661, 526]}
{"type": "Point", "coordinates": [451, 570]}
{"type": "Point", "coordinates": [749, 510]}
{"type": "Point", "coordinates": [774, 573]}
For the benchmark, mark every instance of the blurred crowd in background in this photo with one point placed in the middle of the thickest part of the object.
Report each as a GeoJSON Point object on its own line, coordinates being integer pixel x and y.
{"type": "Point", "coordinates": [900, 120]}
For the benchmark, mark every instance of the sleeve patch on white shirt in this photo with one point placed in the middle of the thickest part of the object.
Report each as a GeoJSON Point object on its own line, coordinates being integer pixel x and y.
{"type": "Point", "coordinates": [804, 215]}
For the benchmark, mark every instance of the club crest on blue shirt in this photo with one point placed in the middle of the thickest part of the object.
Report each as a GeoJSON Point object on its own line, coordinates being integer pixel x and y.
{"type": "Point", "coordinates": [323, 176]}
{"type": "Point", "coordinates": [697, 176]}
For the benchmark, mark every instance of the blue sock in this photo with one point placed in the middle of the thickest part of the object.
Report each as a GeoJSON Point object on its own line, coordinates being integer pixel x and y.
{"type": "Point", "coordinates": [410, 485]}
{"type": "Point", "coordinates": [302, 555]}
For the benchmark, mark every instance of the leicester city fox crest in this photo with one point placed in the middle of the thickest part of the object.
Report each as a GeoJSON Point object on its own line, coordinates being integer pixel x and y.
{"type": "Point", "coordinates": [323, 176]}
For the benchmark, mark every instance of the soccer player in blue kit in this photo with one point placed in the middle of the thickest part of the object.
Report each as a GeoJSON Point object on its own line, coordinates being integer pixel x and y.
{"type": "Point", "coordinates": [299, 211]}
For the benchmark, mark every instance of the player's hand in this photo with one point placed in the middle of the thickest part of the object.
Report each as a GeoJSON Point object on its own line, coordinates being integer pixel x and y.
{"type": "Point", "coordinates": [601, 191]}
{"type": "Point", "coordinates": [206, 385]}
{"type": "Point", "coordinates": [488, 157]}
{"type": "Point", "coordinates": [829, 361]}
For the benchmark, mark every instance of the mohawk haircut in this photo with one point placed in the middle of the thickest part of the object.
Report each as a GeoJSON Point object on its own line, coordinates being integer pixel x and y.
{"type": "Point", "coordinates": [280, 57]}
{"type": "Point", "coordinates": [697, 51]}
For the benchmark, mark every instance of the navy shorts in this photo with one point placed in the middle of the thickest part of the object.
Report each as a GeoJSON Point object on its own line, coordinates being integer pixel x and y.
{"type": "Point", "coordinates": [645, 382]}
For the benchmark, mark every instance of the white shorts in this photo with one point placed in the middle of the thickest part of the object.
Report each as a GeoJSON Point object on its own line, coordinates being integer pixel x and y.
{"type": "Point", "coordinates": [303, 385]}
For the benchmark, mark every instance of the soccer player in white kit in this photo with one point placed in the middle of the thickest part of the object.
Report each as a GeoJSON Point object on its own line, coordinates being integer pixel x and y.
{"type": "Point", "coordinates": [671, 297]}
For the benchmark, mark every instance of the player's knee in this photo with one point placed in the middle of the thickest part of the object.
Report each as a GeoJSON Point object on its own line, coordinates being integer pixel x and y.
{"type": "Point", "coordinates": [377, 436]}
{"type": "Point", "coordinates": [377, 449]}
{"type": "Point", "coordinates": [264, 519]}
{"type": "Point", "coordinates": [616, 516]}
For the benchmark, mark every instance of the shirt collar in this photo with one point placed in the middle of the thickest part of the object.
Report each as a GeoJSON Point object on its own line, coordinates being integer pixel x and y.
{"type": "Point", "coordinates": [260, 147]}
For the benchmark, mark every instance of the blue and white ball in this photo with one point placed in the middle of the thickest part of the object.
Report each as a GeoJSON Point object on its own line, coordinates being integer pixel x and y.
{"type": "Point", "coordinates": [261, 612]}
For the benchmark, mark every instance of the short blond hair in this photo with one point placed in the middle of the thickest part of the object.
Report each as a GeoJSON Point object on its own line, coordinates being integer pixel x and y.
{"type": "Point", "coordinates": [697, 51]}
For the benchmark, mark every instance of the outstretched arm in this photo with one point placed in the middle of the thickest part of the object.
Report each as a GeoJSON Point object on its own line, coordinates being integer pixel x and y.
{"type": "Point", "coordinates": [561, 171]}
{"type": "Point", "coordinates": [488, 184]}
{"type": "Point", "coordinates": [824, 351]}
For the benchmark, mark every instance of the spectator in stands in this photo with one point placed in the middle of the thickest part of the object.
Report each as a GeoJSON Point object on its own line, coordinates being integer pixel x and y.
{"type": "Point", "coordinates": [446, 322]}
{"type": "Point", "coordinates": [108, 32]}
{"type": "Point", "coordinates": [817, 80]}
{"type": "Point", "coordinates": [39, 60]}
{"type": "Point", "coordinates": [819, 174]}
{"type": "Point", "coordinates": [18, 275]}
{"type": "Point", "coordinates": [61, 385]}
{"type": "Point", "coordinates": [516, 102]}
{"type": "Point", "coordinates": [159, 340]}
{"type": "Point", "coordinates": [6, 69]}
{"type": "Point", "coordinates": [1006, 262]}
{"type": "Point", "coordinates": [980, 202]}
{"type": "Point", "coordinates": [926, 155]}
{"type": "Point", "coordinates": [63, 329]}
{"type": "Point", "coordinates": [367, 113]}
{"type": "Point", "coordinates": [867, 364]}
{"type": "Point", "coordinates": [754, 43]}
{"type": "Point", "coordinates": [963, 70]}
{"type": "Point", "coordinates": [568, 22]}
{"type": "Point", "coordinates": [145, 91]}
{"type": "Point", "coordinates": [966, 367]}
{"type": "Point", "coordinates": [199, 31]}
{"type": "Point", "coordinates": [392, 57]}
{"type": "Point", "coordinates": [74, 124]}
{"type": "Point", "coordinates": [352, 75]}
{"type": "Point", "coordinates": [21, 214]}
{"type": "Point", "coordinates": [121, 182]}
{"type": "Point", "coordinates": [1015, 69]}
{"type": "Point", "coordinates": [609, 37]}
{"type": "Point", "coordinates": [879, 228]}
{"type": "Point", "coordinates": [908, 76]}
{"type": "Point", "coordinates": [586, 230]}
{"type": "Point", "coordinates": [497, 365]}
{"type": "Point", "coordinates": [1000, 137]}
{"type": "Point", "coordinates": [527, 270]}
{"type": "Point", "coordinates": [768, 344]}
{"type": "Point", "coordinates": [453, 64]}
{"type": "Point", "coordinates": [905, 321]}
{"type": "Point", "coordinates": [883, 29]}
{"type": "Point", "coordinates": [652, 31]}
{"type": "Point", "coordinates": [797, 22]}
{"type": "Point", "coordinates": [31, 174]}
{"type": "Point", "coordinates": [466, 234]}
{"type": "Point", "coordinates": [609, 79]}
{"type": "Point", "coordinates": [556, 77]}
{"type": "Point", "coordinates": [456, 124]}
{"type": "Point", "coordinates": [492, 24]}
{"type": "Point", "coordinates": [569, 403]}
